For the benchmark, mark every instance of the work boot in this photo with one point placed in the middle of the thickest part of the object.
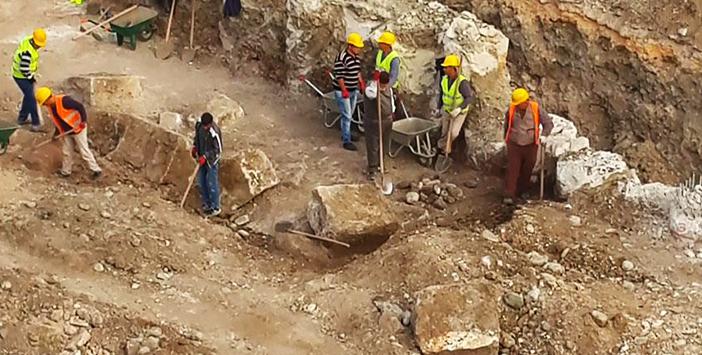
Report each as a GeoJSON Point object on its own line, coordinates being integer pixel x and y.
{"type": "Point", "coordinates": [508, 201]}
{"type": "Point", "coordinates": [96, 175]}
{"type": "Point", "coordinates": [215, 212]}
{"type": "Point", "coordinates": [350, 146]}
{"type": "Point", "coordinates": [372, 175]}
{"type": "Point", "coordinates": [23, 122]}
{"type": "Point", "coordinates": [63, 174]}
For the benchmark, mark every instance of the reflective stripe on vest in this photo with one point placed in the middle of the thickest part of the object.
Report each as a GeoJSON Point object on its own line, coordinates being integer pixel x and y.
{"type": "Point", "coordinates": [24, 46]}
{"type": "Point", "coordinates": [534, 113]}
{"type": "Point", "coordinates": [451, 96]}
{"type": "Point", "coordinates": [70, 117]}
{"type": "Point", "coordinates": [385, 64]}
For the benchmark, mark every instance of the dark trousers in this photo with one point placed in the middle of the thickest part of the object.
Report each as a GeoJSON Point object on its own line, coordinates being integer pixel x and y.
{"type": "Point", "coordinates": [373, 142]}
{"type": "Point", "coordinates": [520, 163]}
{"type": "Point", "coordinates": [208, 182]}
{"type": "Point", "coordinates": [29, 102]}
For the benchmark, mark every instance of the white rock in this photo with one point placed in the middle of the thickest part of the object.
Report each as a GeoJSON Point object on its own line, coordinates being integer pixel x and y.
{"type": "Point", "coordinates": [530, 229]}
{"type": "Point", "coordinates": [225, 110]}
{"type": "Point", "coordinates": [489, 235]}
{"type": "Point", "coordinates": [600, 318]}
{"type": "Point", "coordinates": [682, 31]}
{"type": "Point", "coordinates": [575, 221]}
{"type": "Point", "coordinates": [311, 308]}
{"type": "Point", "coordinates": [689, 253]}
{"type": "Point", "coordinates": [6, 285]}
{"type": "Point", "coordinates": [554, 267]}
{"type": "Point", "coordinates": [627, 265]}
{"type": "Point", "coordinates": [108, 92]}
{"type": "Point", "coordinates": [249, 173]}
{"type": "Point", "coordinates": [587, 169]}
{"type": "Point", "coordinates": [534, 294]}
{"type": "Point", "coordinates": [486, 261]}
{"type": "Point", "coordinates": [537, 259]}
{"type": "Point", "coordinates": [98, 267]}
{"type": "Point", "coordinates": [549, 279]}
{"type": "Point", "coordinates": [412, 197]}
{"type": "Point", "coordinates": [242, 220]}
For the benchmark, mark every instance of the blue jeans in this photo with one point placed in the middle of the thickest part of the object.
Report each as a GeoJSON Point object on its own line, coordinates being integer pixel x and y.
{"type": "Point", "coordinates": [29, 102]}
{"type": "Point", "coordinates": [346, 107]}
{"type": "Point", "coordinates": [208, 183]}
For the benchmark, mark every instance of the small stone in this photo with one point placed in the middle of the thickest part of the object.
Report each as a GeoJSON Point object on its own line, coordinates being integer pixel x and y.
{"type": "Point", "coordinates": [549, 279]}
{"type": "Point", "coordinates": [471, 184]}
{"type": "Point", "coordinates": [514, 300]}
{"type": "Point", "coordinates": [98, 267]}
{"type": "Point", "coordinates": [575, 221]}
{"type": "Point", "coordinates": [242, 220]}
{"type": "Point", "coordinates": [105, 215]}
{"type": "Point", "coordinates": [56, 315]}
{"type": "Point", "coordinates": [70, 330]}
{"type": "Point", "coordinates": [629, 285]}
{"type": "Point", "coordinates": [412, 197]}
{"type": "Point", "coordinates": [699, 255]}
{"type": "Point", "coordinates": [627, 265]}
{"type": "Point", "coordinates": [109, 194]}
{"type": "Point", "coordinates": [311, 308]}
{"type": "Point", "coordinates": [689, 253]}
{"type": "Point", "coordinates": [537, 259]}
{"type": "Point", "coordinates": [454, 191]}
{"type": "Point", "coordinates": [599, 318]}
{"type": "Point", "coordinates": [534, 294]}
{"type": "Point", "coordinates": [144, 350]}
{"type": "Point", "coordinates": [243, 233]}
{"type": "Point", "coordinates": [406, 318]}
{"type": "Point", "coordinates": [84, 207]}
{"type": "Point", "coordinates": [486, 261]}
{"type": "Point", "coordinates": [79, 340]}
{"type": "Point", "coordinates": [555, 268]}
{"type": "Point", "coordinates": [440, 204]}
{"type": "Point", "coordinates": [545, 326]}
{"type": "Point", "coordinates": [146, 204]}
{"type": "Point", "coordinates": [489, 235]}
{"type": "Point", "coordinates": [507, 340]}
{"type": "Point", "coordinates": [163, 276]}
{"type": "Point", "coordinates": [530, 229]}
{"type": "Point", "coordinates": [152, 343]}
{"type": "Point", "coordinates": [683, 31]}
{"type": "Point", "coordinates": [6, 285]}
{"type": "Point", "coordinates": [155, 332]}
{"type": "Point", "coordinates": [30, 204]}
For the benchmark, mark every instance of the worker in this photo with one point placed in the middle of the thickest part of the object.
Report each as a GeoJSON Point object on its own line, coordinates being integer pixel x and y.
{"type": "Point", "coordinates": [24, 70]}
{"type": "Point", "coordinates": [71, 120]}
{"type": "Point", "coordinates": [373, 93]}
{"type": "Point", "coordinates": [455, 101]}
{"type": "Point", "coordinates": [387, 60]}
{"type": "Point", "coordinates": [523, 134]}
{"type": "Point", "coordinates": [207, 150]}
{"type": "Point", "coordinates": [347, 81]}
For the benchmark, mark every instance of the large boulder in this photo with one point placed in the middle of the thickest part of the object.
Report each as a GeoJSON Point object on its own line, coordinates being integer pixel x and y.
{"type": "Point", "coordinates": [225, 110]}
{"type": "Point", "coordinates": [587, 169]}
{"type": "Point", "coordinates": [245, 176]}
{"type": "Point", "coordinates": [458, 319]}
{"type": "Point", "coordinates": [685, 214]}
{"type": "Point", "coordinates": [355, 214]}
{"type": "Point", "coordinates": [107, 92]}
{"type": "Point", "coordinates": [564, 138]}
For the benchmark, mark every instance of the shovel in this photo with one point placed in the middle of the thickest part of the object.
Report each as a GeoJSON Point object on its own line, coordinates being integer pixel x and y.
{"type": "Point", "coordinates": [165, 49]}
{"type": "Point", "coordinates": [189, 53]}
{"type": "Point", "coordinates": [541, 187]}
{"type": "Point", "coordinates": [386, 187]}
{"type": "Point", "coordinates": [191, 179]}
{"type": "Point", "coordinates": [443, 162]}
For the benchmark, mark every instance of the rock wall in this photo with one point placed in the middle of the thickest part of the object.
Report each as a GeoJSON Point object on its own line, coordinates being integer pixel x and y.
{"type": "Point", "coordinates": [625, 72]}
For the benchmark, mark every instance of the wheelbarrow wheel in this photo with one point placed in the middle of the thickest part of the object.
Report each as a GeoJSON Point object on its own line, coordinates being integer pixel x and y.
{"type": "Point", "coordinates": [146, 34]}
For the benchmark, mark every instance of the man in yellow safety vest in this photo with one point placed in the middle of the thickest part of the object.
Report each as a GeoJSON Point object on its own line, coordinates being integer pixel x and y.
{"type": "Point", "coordinates": [388, 60]}
{"type": "Point", "coordinates": [454, 105]}
{"type": "Point", "coordinates": [25, 64]}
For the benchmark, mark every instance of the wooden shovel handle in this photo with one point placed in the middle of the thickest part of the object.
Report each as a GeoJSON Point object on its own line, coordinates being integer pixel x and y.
{"type": "Point", "coordinates": [103, 23]}
{"type": "Point", "coordinates": [190, 185]}
{"type": "Point", "coordinates": [170, 21]}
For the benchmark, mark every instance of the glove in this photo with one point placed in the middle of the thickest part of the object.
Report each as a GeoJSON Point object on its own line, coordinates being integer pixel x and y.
{"type": "Point", "coordinates": [456, 111]}
{"type": "Point", "coordinates": [345, 93]}
{"type": "Point", "coordinates": [193, 152]}
{"type": "Point", "coordinates": [82, 126]}
{"type": "Point", "coordinates": [362, 84]}
{"type": "Point", "coordinates": [202, 161]}
{"type": "Point", "coordinates": [376, 75]}
{"type": "Point", "coordinates": [436, 113]}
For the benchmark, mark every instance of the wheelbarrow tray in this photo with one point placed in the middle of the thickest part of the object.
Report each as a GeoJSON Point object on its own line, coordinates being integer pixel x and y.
{"type": "Point", "coordinates": [406, 130]}
{"type": "Point", "coordinates": [136, 24]}
{"type": "Point", "coordinates": [332, 114]}
{"type": "Point", "coordinates": [6, 131]}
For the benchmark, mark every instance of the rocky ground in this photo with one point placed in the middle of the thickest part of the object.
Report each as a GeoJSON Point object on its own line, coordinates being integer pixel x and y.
{"type": "Point", "coordinates": [116, 267]}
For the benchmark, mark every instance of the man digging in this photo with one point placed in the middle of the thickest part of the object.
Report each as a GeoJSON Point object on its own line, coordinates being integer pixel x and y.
{"type": "Point", "coordinates": [207, 150]}
{"type": "Point", "coordinates": [370, 103]}
{"type": "Point", "coordinates": [71, 121]}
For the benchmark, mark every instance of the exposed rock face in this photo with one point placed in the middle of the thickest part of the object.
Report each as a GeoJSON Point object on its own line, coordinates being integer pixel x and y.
{"type": "Point", "coordinates": [225, 110]}
{"type": "Point", "coordinates": [625, 82]}
{"type": "Point", "coordinates": [172, 121]}
{"type": "Point", "coordinates": [355, 214]}
{"type": "Point", "coordinates": [458, 319]}
{"type": "Point", "coordinates": [108, 92]}
{"type": "Point", "coordinates": [587, 169]}
{"type": "Point", "coordinates": [245, 176]}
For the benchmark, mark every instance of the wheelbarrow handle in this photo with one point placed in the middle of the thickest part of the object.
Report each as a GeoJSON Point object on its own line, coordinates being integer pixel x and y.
{"type": "Point", "coordinates": [310, 84]}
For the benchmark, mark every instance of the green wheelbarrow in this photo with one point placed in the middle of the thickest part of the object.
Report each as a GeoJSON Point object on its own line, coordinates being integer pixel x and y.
{"type": "Point", "coordinates": [136, 25]}
{"type": "Point", "coordinates": [6, 131]}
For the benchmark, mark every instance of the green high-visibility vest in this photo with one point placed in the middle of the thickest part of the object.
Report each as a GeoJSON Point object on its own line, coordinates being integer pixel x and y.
{"type": "Point", "coordinates": [25, 46]}
{"type": "Point", "coordinates": [385, 64]}
{"type": "Point", "coordinates": [451, 96]}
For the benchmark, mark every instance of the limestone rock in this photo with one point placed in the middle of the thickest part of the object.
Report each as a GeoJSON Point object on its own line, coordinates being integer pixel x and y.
{"type": "Point", "coordinates": [458, 319]}
{"type": "Point", "coordinates": [587, 169]}
{"type": "Point", "coordinates": [355, 214]}
{"type": "Point", "coordinates": [245, 176]}
{"type": "Point", "coordinates": [225, 110]}
{"type": "Point", "coordinates": [109, 92]}
{"type": "Point", "coordinates": [171, 121]}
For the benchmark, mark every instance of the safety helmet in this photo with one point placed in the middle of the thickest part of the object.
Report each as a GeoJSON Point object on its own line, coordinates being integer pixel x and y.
{"type": "Point", "coordinates": [520, 96]}
{"type": "Point", "coordinates": [451, 60]}
{"type": "Point", "coordinates": [355, 40]}
{"type": "Point", "coordinates": [42, 94]}
{"type": "Point", "coordinates": [387, 38]}
{"type": "Point", "coordinates": [39, 37]}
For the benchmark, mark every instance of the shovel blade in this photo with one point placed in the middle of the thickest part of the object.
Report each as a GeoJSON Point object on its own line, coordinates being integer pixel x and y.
{"type": "Point", "coordinates": [188, 55]}
{"type": "Point", "coordinates": [443, 163]}
{"type": "Point", "coordinates": [387, 188]}
{"type": "Point", "coordinates": [164, 50]}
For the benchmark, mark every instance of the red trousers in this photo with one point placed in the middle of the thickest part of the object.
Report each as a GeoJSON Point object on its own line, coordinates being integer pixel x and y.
{"type": "Point", "coordinates": [520, 163]}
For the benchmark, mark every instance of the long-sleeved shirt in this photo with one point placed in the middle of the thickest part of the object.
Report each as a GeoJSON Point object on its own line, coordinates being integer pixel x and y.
{"type": "Point", "coordinates": [347, 67]}
{"type": "Point", "coordinates": [25, 65]}
{"type": "Point", "coordinates": [70, 104]}
{"type": "Point", "coordinates": [208, 142]}
{"type": "Point", "coordinates": [394, 69]}
{"type": "Point", "coordinates": [522, 132]}
{"type": "Point", "coordinates": [465, 91]}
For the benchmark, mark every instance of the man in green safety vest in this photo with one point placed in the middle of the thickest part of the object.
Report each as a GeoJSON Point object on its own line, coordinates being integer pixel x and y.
{"type": "Point", "coordinates": [387, 60]}
{"type": "Point", "coordinates": [455, 101]}
{"type": "Point", "coordinates": [25, 63]}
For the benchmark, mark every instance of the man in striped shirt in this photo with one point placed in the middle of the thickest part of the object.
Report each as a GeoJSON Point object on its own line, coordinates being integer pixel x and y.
{"type": "Point", "coordinates": [347, 81]}
{"type": "Point", "coordinates": [25, 64]}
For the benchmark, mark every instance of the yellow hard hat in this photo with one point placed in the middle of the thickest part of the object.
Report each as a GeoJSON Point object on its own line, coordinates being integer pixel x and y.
{"type": "Point", "coordinates": [387, 38]}
{"type": "Point", "coordinates": [39, 37]}
{"type": "Point", "coordinates": [355, 40]}
{"type": "Point", "coordinates": [42, 94]}
{"type": "Point", "coordinates": [451, 60]}
{"type": "Point", "coordinates": [520, 96]}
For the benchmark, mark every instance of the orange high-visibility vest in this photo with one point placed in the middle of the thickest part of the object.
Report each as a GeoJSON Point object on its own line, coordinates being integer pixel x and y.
{"type": "Point", "coordinates": [537, 120]}
{"type": "Point", "coordinates": [70, 117]}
